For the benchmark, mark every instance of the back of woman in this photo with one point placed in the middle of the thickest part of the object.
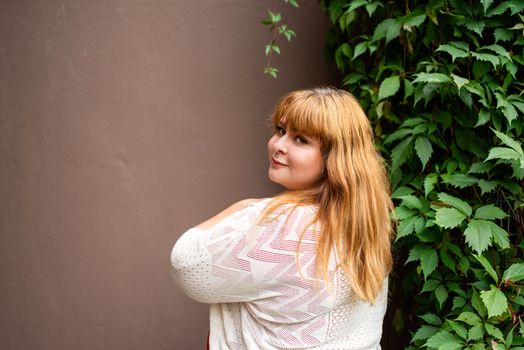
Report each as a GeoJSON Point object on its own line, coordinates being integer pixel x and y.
{"type": "Point", "coordinates": [306, 269]}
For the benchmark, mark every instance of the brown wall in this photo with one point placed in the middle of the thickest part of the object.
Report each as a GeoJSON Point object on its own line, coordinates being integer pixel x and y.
{"type": "Point", "coordinates": [122, 124]}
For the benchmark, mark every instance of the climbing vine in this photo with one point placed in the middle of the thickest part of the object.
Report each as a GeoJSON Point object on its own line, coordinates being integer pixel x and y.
{"type": "Point", "coordinates": [442, 83]}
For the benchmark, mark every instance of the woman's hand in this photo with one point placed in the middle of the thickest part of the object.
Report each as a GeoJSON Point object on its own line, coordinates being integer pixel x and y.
{"type": "Point", "coordinates": [228, 211]}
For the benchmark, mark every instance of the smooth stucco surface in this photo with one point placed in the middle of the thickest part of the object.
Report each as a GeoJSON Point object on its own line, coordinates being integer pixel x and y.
{"type": "Point", "coordinates": [122, 124]}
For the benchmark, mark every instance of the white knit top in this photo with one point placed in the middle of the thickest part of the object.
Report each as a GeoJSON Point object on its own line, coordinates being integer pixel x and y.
{"type": "Point", "coordinates": [263, 294]}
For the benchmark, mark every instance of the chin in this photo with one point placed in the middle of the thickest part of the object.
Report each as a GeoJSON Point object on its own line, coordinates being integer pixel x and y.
{"type": "Point", "coordinates": [277, 181]}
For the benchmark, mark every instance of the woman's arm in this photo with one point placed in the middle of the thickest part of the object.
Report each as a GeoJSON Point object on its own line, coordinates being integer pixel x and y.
{"type": "Point", "coordinates": [226, 212]}
{"type": "Point", "coordinates": [202, 255]}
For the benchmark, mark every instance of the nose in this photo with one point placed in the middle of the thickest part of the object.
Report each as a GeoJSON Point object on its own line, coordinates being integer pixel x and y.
{"type": "Point", "coordinates": [280, 145]}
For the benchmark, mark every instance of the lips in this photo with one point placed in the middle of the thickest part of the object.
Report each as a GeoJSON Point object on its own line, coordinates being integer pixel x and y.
{"type": "Point", "coordinates": [276, 163]}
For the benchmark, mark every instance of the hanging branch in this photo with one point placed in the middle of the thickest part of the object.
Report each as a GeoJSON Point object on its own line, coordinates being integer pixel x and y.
{"type": "Point", "coordinates": [276, 28]}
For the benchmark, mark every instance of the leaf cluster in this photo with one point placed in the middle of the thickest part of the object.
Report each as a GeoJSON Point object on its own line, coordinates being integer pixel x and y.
{"type": "Point", "coordinates": [442, 83]}
{"type": "Point", "coordinates": [277, 28]}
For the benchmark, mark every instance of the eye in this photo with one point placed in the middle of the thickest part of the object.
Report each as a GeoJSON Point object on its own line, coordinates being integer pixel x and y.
{"type": "Point", "coordinates": [280, 130]}
{"type": "Point", "coordinates": [301, 140]}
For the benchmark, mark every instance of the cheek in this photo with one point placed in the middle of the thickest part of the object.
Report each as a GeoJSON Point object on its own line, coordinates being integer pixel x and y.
{"type": "Point", "coordinates": [310, 164]}
{"type": "Point", "coordinates": [316, 165]}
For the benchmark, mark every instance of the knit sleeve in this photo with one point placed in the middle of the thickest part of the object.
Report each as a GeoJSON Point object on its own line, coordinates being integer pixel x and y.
{"type": "Point", "coordinates": [211, 266]}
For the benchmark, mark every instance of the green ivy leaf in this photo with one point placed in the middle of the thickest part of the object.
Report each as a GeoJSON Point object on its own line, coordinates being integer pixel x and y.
{"type": "Point", "coordinates": [484, 117]}
{"type": "Point", "coordinates": [494, 331]}
{"type": "Point", "coordinates": [441, 294]}
{"type": "Point", "coordinates": [486, 186]}
{"type": "Point", "coordinates": [475, 25]}
{"type": "Point", "coordinates": [490, 212]}
{"type": "Point", "coordinates": [514, 273]}
{"type": "Point", "coordinates": [447, 260]}
{"type": "Point", "coordinates": [428, 261]}
{"type": "Point", "coordinates": [271, 71]}
{"type": "Point", "coordinates": [500, 236]}
{"type": "Point", "coordinates": [402, 191]}
{"type": "Point", "coordinates": [459, 180]}
{"type": "Point", "coordinates": [415, 252]}
{"type": "Point", "coordinates": [449, 217]}
{"type": "Point", "coordinates": [432, 78]}
{"type": "Point", "coordinates": [414, 19]}
{"type": "Point", "coordinates": [286, 32]}
{"type": "Point", "coordinates": [372, 7]}
{"type": "Point", "coordinates": [398, 134]}
{"type": "Point", "coordinates": [351, 78]}
{"type": "Point", "coordinates": [356, 4]}
{"type": "Point", "coordinates": [486, 4]}
{"type": "Point", "coordinates": [388, 28]}
{"type": "Point", "coordinates": [456, 203]}
{"type": "Point", "coordinates": [389, 87]}
{"type": "Point", "coordinates": [464, 264]}
{"type": "Point", "coordinates": [408, 89]}
{"type": "Point", "coordinates": [425, 92]}
{"type": "Point", "coordinates": [444, 339]}
{"type": "Point", "coordinates": [502, 34]}
{"type": "Point", "coordinates": [503, 153]}
{"type": "Point", "coordinates": [423, 149]}
{"type": "Point", "coordinates": [360, 48]}
{"type": "Point", "coordinates": [425, 332]}
{"type": "Point", "coordinates": [459, 329]}
{"type": "Point", "coordinates": [406, 227]}
{"type": "Point", "coordinates": [459, 81]}
{"type": "Point", "coordinates": [478, 235]}
{"type": "Point", "coordinates": [508, 141]}
{"type": "Point", "coordinates": [412, 122]}
{"type": "Point", "coordinates": [454, 51]}
{"type": "Point", "coordinates": [499, 50]}
{"type": "Point", "coordinates": [469, 317]}
{"type": "Point", "coordinates": [480, 167]}
{"type": "Point", "coordinates": [458, 302]}
{"type": "Point", "coordinates": [516, 6]}
{"type": "Point", "coordinates": [500, 9]}
{"type": "Point", "coordinates": [477, 304]}
{"type": "Point", "coordinates": [430, 285]}
{"type": "Point", "coordinates": [411, 201]}
{"type": "Point", "coordinates": [401, 152]}
{"type": "Point", "coordinates": [456, 288]}
{"type": "Point", "coordinates": [429, 183]}
{"type": "Point", "coordinates": [511, 186]}
{"type": "Point", "coordinates": [495, 301]}
{"type": "Point", "coordinates": [487, 57]}
{"type": "Point", "coordinates": [431, 319]}
{"type": "Point", "coordinates": [518, 26]}
{"type": "Point", "coordinates": [402, 213]}
{"type": "Point", "coordinates": [274, 17]}
{"type": "Point", "coordinates": [487, 266]}
{"type": "Point", "coordinates": [476, 332]}
{"type": "Point", "coordinates": [507, 108]}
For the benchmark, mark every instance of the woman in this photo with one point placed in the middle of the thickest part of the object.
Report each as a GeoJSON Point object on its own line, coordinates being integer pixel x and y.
{"type": "Point", "coordinates": [308, 268]}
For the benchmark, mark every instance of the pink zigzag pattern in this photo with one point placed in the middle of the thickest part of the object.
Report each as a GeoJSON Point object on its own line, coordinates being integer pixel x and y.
{"type": "Point", "coordinates": [297, 291]}
{"type": "Point", "coordinates": [299, 297]}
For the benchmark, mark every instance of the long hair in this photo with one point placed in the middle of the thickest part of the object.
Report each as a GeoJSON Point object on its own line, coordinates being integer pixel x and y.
{"type": "Point", "coordinates": [353, 194]}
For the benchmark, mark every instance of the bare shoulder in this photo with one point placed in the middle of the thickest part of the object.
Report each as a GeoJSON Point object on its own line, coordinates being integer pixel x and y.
{"type": "Point", "coordinates": [249, 201]}
{"type": "Point", "coordinates": [244, 203]}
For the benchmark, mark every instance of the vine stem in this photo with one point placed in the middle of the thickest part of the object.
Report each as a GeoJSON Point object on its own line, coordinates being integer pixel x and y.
{"type": "Point", "coordinates": [274, 36]}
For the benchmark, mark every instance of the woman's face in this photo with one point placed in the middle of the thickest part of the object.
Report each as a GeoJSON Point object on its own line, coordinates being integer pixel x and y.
{"type": "Point", "coordinates": [295, 160]}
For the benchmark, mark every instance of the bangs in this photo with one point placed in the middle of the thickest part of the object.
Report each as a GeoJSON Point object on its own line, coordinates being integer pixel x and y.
{"type": "Point", "coordinates": [305, 114]}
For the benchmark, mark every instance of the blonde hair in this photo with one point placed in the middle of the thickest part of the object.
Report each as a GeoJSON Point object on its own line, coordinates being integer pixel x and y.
{"type": "Point", "coordinates": [353, 194]}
